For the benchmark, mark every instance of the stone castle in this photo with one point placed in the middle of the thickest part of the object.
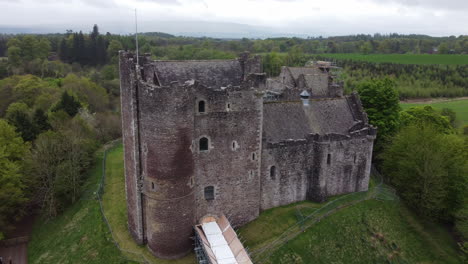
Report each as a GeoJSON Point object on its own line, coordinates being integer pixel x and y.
{"type": "Point", "coordinates": [210, 137]}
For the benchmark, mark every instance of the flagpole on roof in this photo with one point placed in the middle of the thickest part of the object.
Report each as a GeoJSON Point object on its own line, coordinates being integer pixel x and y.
{"type": "Point", "coordinates": [136, 35]}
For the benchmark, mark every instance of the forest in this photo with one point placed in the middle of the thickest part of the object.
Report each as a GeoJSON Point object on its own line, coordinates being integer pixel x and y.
{"type": "Point", "coordinates": [59, 103]}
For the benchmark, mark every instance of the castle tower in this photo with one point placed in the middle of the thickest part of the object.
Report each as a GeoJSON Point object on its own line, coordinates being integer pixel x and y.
{"type": "Point", "coordinates": [192, 135]}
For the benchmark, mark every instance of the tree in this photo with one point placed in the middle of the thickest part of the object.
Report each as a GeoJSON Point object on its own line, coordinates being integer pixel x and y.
{"type": "Point", "coordinates": [68, 103]}
{"type": "Point", "coordinates": [113, 50]}
{"type": "Point", "coordinates": [29, 47]}
{"type": "Point", "coordinates": [43, 48]}
{"type": "Point", "coordinates": [429, 170]}
{"type": "Point", "coordinates": [14, 56]}
{"type": "Point", "coordinates": [426, 115]}
{"type": "Point", "coordinates": [18, 115]}
{"type": "Point", "coordinates": [13, 183]}
{"type": "Point", "coordinates": [450, 114]}
{"type": "Point", "coordinates": [382, 105]}
{"type": "Point", "coordinates": [366, 48]}
{"type": "Point", "coordinates": [443, 48]}
{"type": "Point", "coordinates": [58, 162]}
{"type": "Point", "coordinates": [40, 121]}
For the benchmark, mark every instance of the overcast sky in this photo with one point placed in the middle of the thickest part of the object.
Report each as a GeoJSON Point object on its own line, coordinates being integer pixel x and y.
{"type": "Point", "coordinates": [241, 17]}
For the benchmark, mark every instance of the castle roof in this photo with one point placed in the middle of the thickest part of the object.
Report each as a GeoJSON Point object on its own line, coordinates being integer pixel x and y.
{"type": "Point", "coordinates": [211, 73]}
{"type": "Point", "coordinates": [291, 120]}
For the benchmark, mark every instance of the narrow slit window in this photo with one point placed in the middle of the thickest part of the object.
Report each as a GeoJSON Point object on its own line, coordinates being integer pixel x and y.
{"type": "Point", "coordinates": [234, 145]}
{"type": "Point", "coordinates": [273, 172]}
{"type": "Point", "coordinates": [152, 186]}
{"type": "Point", "coordinates": [253, 156]}
{"type": "Point", "coordinates": [209, 193]}
{"type": "Point", "coordinates": [201, 107]}
{"type": "Point", "coordinates": [203, 144]}
{"type": "Point", "coordinates": [328, 159]}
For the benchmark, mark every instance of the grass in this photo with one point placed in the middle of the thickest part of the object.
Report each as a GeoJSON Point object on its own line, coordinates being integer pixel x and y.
{"type": "Point", "coordinates": [459, 106]}
{"type": "Point", "coordinates": [115, 209]}
{"type": "Point", "coordinates": [369, 232]}
{"type": "Point", "coordinates": [78, 235]}
{"type": "Point", "coordinates": [404, 58]}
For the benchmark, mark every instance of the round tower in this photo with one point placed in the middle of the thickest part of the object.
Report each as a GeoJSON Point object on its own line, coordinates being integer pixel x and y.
{"type": "Point", "coordinates": [166, 131]}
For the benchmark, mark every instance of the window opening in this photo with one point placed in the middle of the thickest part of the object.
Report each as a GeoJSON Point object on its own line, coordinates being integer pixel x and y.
{"type": "Point", "coordinates": [209, 193]}
{"type": "Point", "coordinates": [273, 172]}
{"type": "Point", "coordinates": [201, 107]}
{"type": "Point", "coordinates": [203, 143]}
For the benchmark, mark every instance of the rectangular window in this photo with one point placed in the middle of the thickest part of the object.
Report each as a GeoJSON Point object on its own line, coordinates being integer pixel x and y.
{"type": "Point", "coordinates": [209, 193]}
{"type": "Point", "coordinates": [328, 159]}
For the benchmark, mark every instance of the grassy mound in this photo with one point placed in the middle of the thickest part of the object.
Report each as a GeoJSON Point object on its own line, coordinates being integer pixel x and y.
{"type": "Point", "coordinates": [79, 235]}
{"type": "Point", "coordinates": [369, 232]}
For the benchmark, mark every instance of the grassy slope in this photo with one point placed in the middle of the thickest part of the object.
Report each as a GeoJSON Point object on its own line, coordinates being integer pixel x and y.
{"type": "Point", "coordinates": [369, 232]}
{"type": "Point", "coordinates": [115, 210]}
{"type": "Point", "coordinates": [78, 235]}
{"type": "Point", "coordinates": [366, 233]}
{"type": "Point", "coordinates": [459, 106]}
{"type": "Point", "coordinates": [404, 58]}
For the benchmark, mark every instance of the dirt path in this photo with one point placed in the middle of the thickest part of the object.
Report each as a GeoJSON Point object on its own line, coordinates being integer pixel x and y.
{"type": "Point", "coordinates": [432, 100]}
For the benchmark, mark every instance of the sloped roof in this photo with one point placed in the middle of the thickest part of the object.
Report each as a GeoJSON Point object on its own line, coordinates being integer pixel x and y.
{"type": "Point", "coordinates": [212, 73]}
{"type": "Point", "coordinates": [292, 120]}
{"type": "Point", "coordinates": [311, 81]}
{"type": "Point", "coordinates": [296, 71]}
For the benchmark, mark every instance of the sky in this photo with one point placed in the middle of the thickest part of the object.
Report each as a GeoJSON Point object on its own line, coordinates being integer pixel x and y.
{"type": "Point", "coordinates": [239, 18]}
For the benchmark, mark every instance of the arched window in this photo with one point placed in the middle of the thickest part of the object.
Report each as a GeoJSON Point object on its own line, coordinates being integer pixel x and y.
{"type": "Point", "coordinates": [209, 193]}
{"type": "Point", "coordinates": [201, 107]}
{"type": "Point", "coordinates": [203, 144]}
{"type": "Point", "coordinates": [273, 172]}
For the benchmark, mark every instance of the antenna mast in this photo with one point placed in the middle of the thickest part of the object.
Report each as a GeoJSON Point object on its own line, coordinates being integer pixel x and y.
{"type": "Point", "coordinates": [136, 36]}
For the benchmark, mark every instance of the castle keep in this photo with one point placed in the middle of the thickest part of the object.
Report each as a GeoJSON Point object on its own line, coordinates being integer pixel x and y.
{"type": "Point", "coordinates": [205, 138]}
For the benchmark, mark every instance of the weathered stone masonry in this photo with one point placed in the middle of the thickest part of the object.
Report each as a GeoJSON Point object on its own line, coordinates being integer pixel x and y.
{"type": "Point", "coordinates": [210, 137]}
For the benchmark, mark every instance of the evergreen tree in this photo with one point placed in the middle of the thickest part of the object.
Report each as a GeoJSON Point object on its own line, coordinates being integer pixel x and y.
{"type": "Point", "coordinates": [40, 121]}
{"type": "Point", "coordinates": [63, 51]}
{"type": "Point", "coordinates": [69, 104]}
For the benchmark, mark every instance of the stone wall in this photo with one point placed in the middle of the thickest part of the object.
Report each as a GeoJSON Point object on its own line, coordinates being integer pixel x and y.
{"type": "Point", "coordinates": [287, 182]}
{"type": "Point", "coordinates": [232, 123]}
{"type": "Point", "coordinates": [130, 134]}
{"type": "Point", "coordinates": [315, 168]}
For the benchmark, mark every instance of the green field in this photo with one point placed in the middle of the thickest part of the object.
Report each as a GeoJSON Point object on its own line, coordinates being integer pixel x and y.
{"type": "Point", "coordinates": [403, 58]}
{"type": "Point", "coordinates": [459, 106]}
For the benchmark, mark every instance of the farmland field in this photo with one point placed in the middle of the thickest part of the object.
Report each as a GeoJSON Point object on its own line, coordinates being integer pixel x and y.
{"type": "Point", "coordinates": [403, 58]}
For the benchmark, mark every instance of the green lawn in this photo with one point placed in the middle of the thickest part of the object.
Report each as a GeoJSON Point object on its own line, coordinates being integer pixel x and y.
{"type": "Point", "coordinates": [404, 58]}
{"type": "Point", "coordinates": [79, 235]}
{"type": "Point", "coordinates": [369, 232]}
{"type": "Point", "coordinates": [115, 209]}
{"type": "Point", "coordinates": [459, 106]}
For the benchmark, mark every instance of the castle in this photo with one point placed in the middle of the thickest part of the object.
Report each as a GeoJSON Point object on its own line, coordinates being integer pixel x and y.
{"type": "Point", "coordinates": [210, 137]}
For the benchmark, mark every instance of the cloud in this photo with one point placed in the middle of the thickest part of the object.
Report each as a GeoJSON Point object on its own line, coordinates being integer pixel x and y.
{"type": "Point", "coordinates": [430, 4]}
{"type": "Point", "coordinates": [162, 2]}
